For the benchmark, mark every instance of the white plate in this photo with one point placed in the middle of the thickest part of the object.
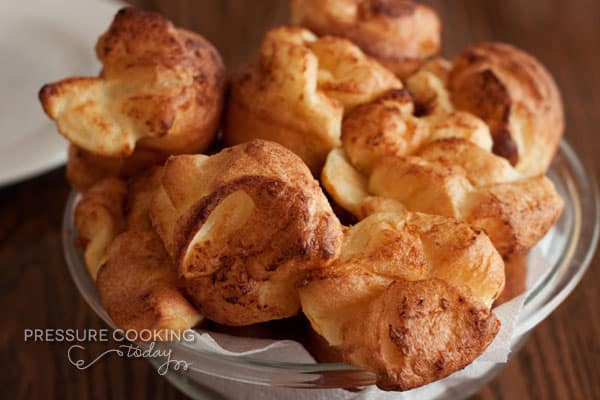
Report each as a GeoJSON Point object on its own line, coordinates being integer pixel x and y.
{"type": "Point", "coordinates": [40, 42]}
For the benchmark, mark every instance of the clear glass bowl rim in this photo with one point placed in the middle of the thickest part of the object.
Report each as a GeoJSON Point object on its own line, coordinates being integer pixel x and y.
{"type": "Point", "coordinates": [572, 264]}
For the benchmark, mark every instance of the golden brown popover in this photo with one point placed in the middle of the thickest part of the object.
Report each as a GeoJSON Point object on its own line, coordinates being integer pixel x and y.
{"type": "Point", "coordinates": [399, 34]}
{"type": "Point", "coordinates": [518, 99]}
{"type": "Point", "coordinates": [409, 297]}
{"type": "Point", "coordinates": [160, 88]}
{"type": "Point", "coordinates": [138, 288]}
{"type": "Point", "coordinates": [298, 90]}
{"type": "Point", "coordinates": [242, 227]}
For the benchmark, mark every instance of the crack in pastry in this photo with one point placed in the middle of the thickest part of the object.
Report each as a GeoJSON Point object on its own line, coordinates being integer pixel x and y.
{"type": "Point", "coordinates": [400, 34]}
{"type": "Point", "coordinates": [298, 90]}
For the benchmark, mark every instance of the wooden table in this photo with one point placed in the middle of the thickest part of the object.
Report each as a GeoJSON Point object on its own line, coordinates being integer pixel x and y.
{"type": "Point", "coordinates": [561, 359]}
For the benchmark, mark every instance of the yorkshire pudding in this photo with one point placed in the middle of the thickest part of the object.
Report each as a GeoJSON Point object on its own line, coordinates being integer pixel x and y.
{"type": "Point", "coordinates": [399, 34]}
{"type": "Point", "coordinates": [160, 88]}
{"type": "Point", "coordinates": [409, 297]}
{"type": "Point", "coordinates": [242, 227]}
{"type": "Point", "coordinates": [298, 90]}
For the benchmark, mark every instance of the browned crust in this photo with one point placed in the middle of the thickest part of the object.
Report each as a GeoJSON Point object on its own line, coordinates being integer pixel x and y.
{"type": "Point", "coordinates": [417, 332]}
{"type": "Point", "coordinates": [516, 96]}
{"type": "Point", "coordinates": [399, 34]}
{"type": "Point", "coordinates": [232, 297]}
{"type": "Point", "coordinates": [380, 128]}
{"type": "Point", "coordinates": [139, 290]}
{"type": "Point", "coordinates": [516, 215]}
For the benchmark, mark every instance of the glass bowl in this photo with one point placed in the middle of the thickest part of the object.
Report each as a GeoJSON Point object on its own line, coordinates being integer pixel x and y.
{"type": "Point", "coordinates": [569, 247]}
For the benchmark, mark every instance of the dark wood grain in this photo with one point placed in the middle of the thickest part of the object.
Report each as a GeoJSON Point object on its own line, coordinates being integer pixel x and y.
{"type": "Point", "coordinates": [562, 357]}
